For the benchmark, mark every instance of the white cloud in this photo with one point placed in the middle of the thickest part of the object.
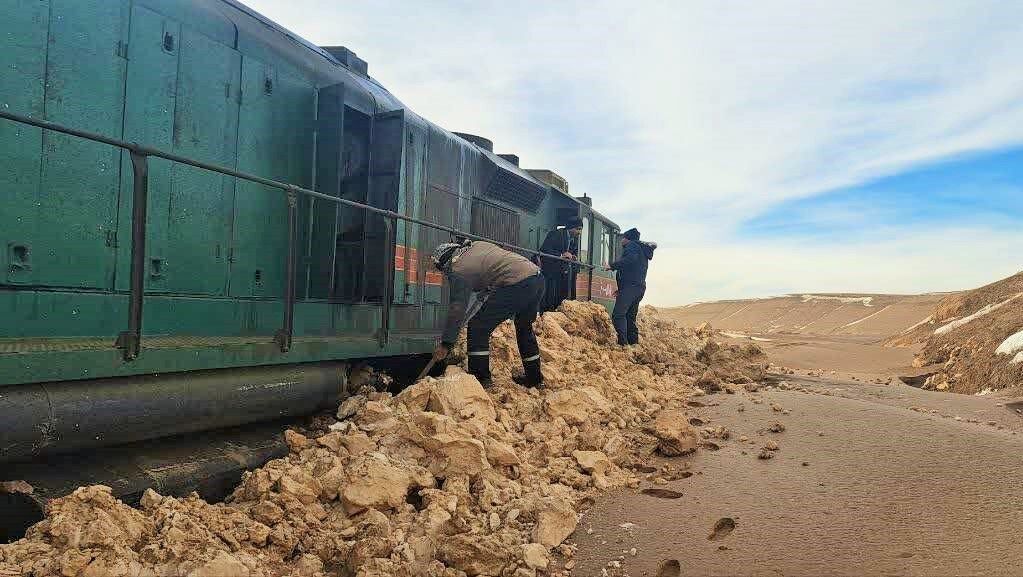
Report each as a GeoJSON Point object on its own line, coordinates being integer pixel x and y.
{"type": "Point", "coordinates": [925, 261]}
{"type": "Point", "coordinates": [687, 118]}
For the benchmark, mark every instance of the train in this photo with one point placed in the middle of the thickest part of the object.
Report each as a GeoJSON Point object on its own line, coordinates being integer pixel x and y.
{"type": "Point", "coordinates": [207, 219]}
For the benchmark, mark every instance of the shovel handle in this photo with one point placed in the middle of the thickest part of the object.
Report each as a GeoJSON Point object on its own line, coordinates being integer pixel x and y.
{"type": "Point", "coordinates": [425, 371]}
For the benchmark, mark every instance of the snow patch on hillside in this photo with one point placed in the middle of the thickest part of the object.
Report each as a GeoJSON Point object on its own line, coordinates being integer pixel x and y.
{"type": "Point", "coordinates": [1011, 345]}
{"type": "Point", "coordinates": [982, 312]}
{"type": "Point", "coordinates": [865, 301]}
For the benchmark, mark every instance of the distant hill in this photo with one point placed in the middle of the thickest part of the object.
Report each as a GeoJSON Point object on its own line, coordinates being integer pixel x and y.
{"type": "Point", "coordinates": [973, 339]}
{"type": "Point", "coordinates": [874, 315]}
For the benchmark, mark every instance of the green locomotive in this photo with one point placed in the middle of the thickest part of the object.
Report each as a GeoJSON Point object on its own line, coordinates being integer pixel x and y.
{"type": "Point", "coordinates": [157, 280]}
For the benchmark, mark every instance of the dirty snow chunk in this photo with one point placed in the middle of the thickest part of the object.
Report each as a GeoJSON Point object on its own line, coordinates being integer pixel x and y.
{"type": "Point", "coordinates": [373, 483]}
{"type": "Point", "coordinates": [554, 526]}
{"type": "Point", "coordinates": [459, 395]}
{"type": "Point", "coordinates": [351, 406]}
{"type": "Point", "coordinates": [1011, 345]}
{"type": "Point", "coordinates": [578, 405]}
{"type": "Point", "coordinates": [475, 554]}
{"type": "Point", "coordinates": [223, 565]}
{"type": "Point", "coordinates": [501, 454]}
{"type": "Point", "coordinates": [296, 441]}
{"type": "Point", "coordinates": [982, 312]}
{"type": "Point", "coordinates": [676, 437]}
{"type": "Point", "coordinates": [535, 555]}
{"type": "Point", "coordinates": [594, 462]}
{"type": "Point", "coordinates": [1017, 359]}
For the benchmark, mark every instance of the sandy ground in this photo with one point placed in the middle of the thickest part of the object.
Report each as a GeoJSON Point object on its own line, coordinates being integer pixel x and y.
{"type": "Point", "coordinates": [864, 315]}
{"type": "Point", "coordinates": [865, 483]}
{"type": "Point", "coordinates": [840, 356]}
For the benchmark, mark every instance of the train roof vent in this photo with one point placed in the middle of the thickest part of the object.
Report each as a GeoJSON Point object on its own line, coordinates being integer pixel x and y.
{"type": "Point", "coordinates": [550, 178]}
{"type": "Point", "coordinates": [349, 59]}
{"type": "Point", "coordinates": [512, 158]}
{"type": "Point", "coordinates": [484, 143]}
{"type": "Point", "coordinates": [510, 184]}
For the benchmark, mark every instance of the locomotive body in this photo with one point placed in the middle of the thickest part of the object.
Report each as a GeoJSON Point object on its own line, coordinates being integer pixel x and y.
{"type": "Point", "coordinates": [213, 81]}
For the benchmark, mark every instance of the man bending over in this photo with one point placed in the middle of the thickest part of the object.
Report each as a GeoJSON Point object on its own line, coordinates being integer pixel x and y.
{"type": "Point", "coordinates": [505, 286]}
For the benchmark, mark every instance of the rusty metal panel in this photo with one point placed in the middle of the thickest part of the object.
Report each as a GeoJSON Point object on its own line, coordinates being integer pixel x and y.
{"type": "Point", "coordinates": [149, 119]}
{"type": "Point", "coordinates": [205, 128]}
{"type": "Point", "coordinates": [77, 205]}
{"type": "Point", "coordinates": [23, 62]}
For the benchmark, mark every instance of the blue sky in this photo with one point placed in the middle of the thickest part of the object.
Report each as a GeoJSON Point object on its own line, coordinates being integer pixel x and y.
{"type": "Point", "coordinates": [768, 147]}
{"type": "Point", "coordinates": [983, 190]}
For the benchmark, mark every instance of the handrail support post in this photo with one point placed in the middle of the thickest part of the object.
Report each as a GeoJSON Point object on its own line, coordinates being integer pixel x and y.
{"type": "Point", "coordinates": [285, 335]}
{"type": "Point", "coordinates": [130, 341]}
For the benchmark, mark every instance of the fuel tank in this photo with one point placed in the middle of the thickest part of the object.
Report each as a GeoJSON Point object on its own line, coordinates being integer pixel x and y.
{"type": "Point", "coordinates": [48, 418]}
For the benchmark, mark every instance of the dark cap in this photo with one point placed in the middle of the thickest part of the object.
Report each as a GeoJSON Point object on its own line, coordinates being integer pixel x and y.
{"type": "Point", "coordinates": [574, 222]}
{"type": "Point", "coordinates": [631, 234]}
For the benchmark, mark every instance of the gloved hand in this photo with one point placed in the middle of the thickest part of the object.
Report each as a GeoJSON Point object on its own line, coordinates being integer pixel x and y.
{"type": "Point", "coordinates": [441, 352]}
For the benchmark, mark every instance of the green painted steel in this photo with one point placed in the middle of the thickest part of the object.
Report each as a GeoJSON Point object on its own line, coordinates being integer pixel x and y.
{"type": "Point", "coordinates": [150, 99]}
{"type": "Point", "coordinates": [77, 204]}
{"type": "Point", "coordinates": [23, 63]}
{"type": "Point", "coordinates": [204, 80]}
{"type": "Point", "coordinates": [275, 141]}
{"type": "Point", "coordinates": [205, 128]}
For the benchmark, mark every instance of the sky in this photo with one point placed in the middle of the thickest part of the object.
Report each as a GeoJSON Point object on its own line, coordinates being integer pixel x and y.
{"type": "Point", "coordinates": [768, 147]}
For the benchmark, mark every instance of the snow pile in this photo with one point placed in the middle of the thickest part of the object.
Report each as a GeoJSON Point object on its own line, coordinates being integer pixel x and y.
{"type": "Point", "coordinates": [1011, 345]}
{"type": "Point", "coordinates": [982, 328]}
{"type": "Point", "coordinates": [865, 301]}
{"type": "Point", "coordinates": [444, 479]}
{"type": "Point", "coordinates": [982, 312]}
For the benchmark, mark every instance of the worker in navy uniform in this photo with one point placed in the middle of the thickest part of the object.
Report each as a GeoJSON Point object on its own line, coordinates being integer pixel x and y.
{"type": "Point", "coordinates": [631, 269]}
{"type": "Point", "coordinates": [489, 285]}
{"type": "Point", "coordinates": [560, 275]}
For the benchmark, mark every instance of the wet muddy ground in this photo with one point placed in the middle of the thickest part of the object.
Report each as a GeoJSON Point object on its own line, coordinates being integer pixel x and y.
{"type": "Point", "coordinates": [866, 480]}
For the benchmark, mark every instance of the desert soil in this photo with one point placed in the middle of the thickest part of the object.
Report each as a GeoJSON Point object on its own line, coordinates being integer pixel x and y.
{"type": "Point", "coordinates": [869, 476]}
{"type": "Point", "coordinates": [682, 456]}
{"type": "Point", "coordinates": [867, 480]}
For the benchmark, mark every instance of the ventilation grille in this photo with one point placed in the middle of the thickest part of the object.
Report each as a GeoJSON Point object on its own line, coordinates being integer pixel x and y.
{"type": "Point", "coordinates": [515, 190]}
{"type": "Point", "coordinates": [495, 222]}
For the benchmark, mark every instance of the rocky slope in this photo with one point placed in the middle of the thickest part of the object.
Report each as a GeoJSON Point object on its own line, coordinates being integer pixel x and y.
{"type": "Point", "coordinates": [971, 339]}
{"type": "Point", "coordinates": [442, 479]}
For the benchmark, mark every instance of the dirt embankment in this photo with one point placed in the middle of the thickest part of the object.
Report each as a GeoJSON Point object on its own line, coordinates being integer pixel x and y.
{"type": "Point", "coordinates": [443, 479]}
{"type": "Point", "coordinates": [973, 339]}
{"type": "Point", "coordinates": [839, 335]}
{"type": "Point", "coordinates": [815, 314]}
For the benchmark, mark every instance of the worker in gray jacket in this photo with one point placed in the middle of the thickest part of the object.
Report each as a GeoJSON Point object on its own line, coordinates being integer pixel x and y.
{"type": "Point", "coordinates": [506, 286]}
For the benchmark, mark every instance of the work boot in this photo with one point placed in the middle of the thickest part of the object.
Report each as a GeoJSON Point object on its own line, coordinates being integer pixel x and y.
{"type": "Point", "coordinates": [479, 367]}
{"type": "Point", "coordinates": [532, 377]}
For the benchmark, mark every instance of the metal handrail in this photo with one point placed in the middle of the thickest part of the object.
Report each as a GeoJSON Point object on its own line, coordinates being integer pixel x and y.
{"type": "Point", "coordinates": [130, 340]}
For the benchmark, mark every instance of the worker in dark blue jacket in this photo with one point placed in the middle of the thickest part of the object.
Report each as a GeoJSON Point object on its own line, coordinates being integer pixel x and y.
{"type": "Point", "coordinates": [631, 269]}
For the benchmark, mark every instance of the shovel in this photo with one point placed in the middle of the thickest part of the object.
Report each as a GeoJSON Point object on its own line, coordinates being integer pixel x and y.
{"type": "Point", "coordinates": [426, 371]}
{"type": "Point", "coordinates": [474, 307]}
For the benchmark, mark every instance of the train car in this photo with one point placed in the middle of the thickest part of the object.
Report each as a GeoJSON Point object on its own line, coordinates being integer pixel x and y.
{"type": "Point", "coordinates": [247, 301]}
